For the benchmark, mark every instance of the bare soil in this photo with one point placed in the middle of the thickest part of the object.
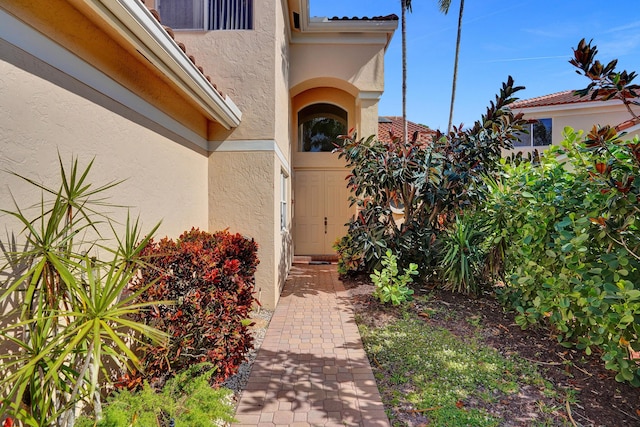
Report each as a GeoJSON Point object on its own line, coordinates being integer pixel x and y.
{"type": "Point", "coordinates": [599, 399]}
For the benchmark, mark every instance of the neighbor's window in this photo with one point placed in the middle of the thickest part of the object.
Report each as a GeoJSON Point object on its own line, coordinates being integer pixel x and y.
{"type": "Point", "coordinates": [283, 201]}
{"type": "Point", "coordinates": [319, 127]}
{"type": "Point", "coordinates": [539, 134]}
{"type": "Point", "coordinates": [207, 14]}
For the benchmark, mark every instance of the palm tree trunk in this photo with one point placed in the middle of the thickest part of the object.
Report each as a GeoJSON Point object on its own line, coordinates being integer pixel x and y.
{"type": "Point", "coordinates": [455, 67]}
{"type": "Point", "coordinates": [405, 130]}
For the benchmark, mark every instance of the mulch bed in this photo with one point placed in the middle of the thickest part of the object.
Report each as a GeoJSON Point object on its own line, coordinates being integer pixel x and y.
{"type": "Point", "coordinates": [601, 400]}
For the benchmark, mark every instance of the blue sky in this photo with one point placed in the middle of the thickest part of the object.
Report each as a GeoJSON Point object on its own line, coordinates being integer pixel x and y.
{"type": "Point", "coordinates": [531, 40]}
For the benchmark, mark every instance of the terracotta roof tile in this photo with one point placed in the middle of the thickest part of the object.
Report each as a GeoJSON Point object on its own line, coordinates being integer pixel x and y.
{"type": "Point", "coordinates": [392, 17]}
{"type": "Point", "coordinates": [392, 125]}
{"type": "Point", "coordinates": [558, 98]}
{"type": "Point", "coordinates": [627, 124]}
{"type": "Point", "coordinates": [182, 47]}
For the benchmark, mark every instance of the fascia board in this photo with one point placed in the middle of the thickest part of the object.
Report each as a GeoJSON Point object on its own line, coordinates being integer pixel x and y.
{"type": "Point", "coordinates": [370, 95]}
{"type": "Point", "coordinates": [144, 32]}
{"type": "Point", "coordinates": [635, 129]}
{"type": "Point", "coordinates": [339, 38]}
{"type": "Point", "coordinates": [347, 26]}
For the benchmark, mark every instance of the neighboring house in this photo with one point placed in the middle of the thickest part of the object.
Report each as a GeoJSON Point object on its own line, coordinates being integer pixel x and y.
{"type": "Point", "coordinates": [391, 127]}
{"type": "Point", "coordinates": [106, 79]}
{"type": "Point", "coordinates": [550, 114]}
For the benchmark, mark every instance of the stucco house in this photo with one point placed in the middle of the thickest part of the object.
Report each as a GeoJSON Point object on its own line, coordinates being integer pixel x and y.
{"type": "Point", "coordinates": [550, 114]}
{"type": "Point", "coordinates": [218, 113]}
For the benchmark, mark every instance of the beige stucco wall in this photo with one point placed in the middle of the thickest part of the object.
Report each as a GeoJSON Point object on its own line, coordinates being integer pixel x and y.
{"type": "Point", "coordinates": [73, 26]}
{"type": "Point", "coordinates": [243, 64]}
{"type": "Point", "coordinates": [281, 77]}
{"type": "Point", "coordinates": [368, 109]}
{"type": "Point", "coordinates": [357, 69]}
{"type": "Point", "coordinates": [244, 186]}
{"type": "Point", "coordinates": [164, 179]}
{"type": "Point", "coordinates": [242, 197]}
{"type": "Point", "coordinates": [583, 118]}
{"type": "Point", "coordinates": [361, 65]}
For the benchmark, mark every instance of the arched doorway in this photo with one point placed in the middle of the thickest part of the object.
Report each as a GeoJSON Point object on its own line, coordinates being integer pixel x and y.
{"type": "Point", "coordinates": [321, 197]}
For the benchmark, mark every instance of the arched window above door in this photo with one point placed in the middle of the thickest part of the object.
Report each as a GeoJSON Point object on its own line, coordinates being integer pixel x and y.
{"type": "Point", "coordinates": [319, 126]}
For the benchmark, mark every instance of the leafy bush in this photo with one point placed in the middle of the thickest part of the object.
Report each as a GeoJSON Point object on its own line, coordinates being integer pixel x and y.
{"type": "Point", "coordinates": [210, 280]}
{"type": "Point", "coordinates": [71, 308]}
{"type": "Point", "coordinates": [431, 184]}
{"type": "Point", "coordinates": [187, 400]}
{"type": "Point", "coordinates": [573, 259]}
{"type": "Point", "coordinates": [349, 260]}
{"type": "Point", "coordinates": [563, 269]}
{"type": "Point", "coordinates": [389, 286]}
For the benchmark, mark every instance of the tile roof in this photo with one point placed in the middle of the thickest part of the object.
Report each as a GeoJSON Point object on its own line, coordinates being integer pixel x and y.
{"type": "Point", "coordinates": [182, 47]}
{"type": "Point", "coordinates": [558, 98]}
{"type": "Point", "coordinates": [392, 125]}
{"type": "Point", "coordinates": [627, 124]}
{"type": "Point", "coordinates": [392, 17]}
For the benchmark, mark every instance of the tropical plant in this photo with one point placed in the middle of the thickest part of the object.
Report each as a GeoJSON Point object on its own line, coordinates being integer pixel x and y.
{"type": "Point", "coordinates": [71, 302]}
{"type": "Point", "coordinates": [431, 183]}
{"type": "Point", "coordinates": [573, 259]}
{"type": "Point", "coordinates": [444, 8]}
{"type": "Point", "coordinates": [618, 162]}
{"type": "Point", "coordinates": [210, 278]}
{"type": "Point", "coordinates": [187, 400]}
{"type": "Point", "coordinates": [391, 287]}
{"type": "Point", "coordinates": [349, 260]}
{"type": "Point", "coordinates": [405, 5]}
{"type": "Point", "coordinates": [563, 268]}
{"type": "Point", "coordinates": [606, 82]}
{"type": "Point", "coordinates": [463, 262]}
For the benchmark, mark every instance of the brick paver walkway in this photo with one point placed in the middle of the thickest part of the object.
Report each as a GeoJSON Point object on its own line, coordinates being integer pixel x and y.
{"type": "Point", "coordinates": [311, 369]}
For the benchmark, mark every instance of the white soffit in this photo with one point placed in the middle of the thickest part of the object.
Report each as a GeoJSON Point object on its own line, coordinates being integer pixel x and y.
{"type": "Point", "coordinates": [132, 19]}
{"type": "Point", "coordinates": [323, 30]}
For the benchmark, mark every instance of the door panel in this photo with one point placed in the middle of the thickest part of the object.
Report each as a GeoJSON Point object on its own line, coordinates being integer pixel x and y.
{"type": "Point", "coordinates": [321, 209]}
{"type": "Point", "coordinates": [337, 208]}
{"type": "Point", "coordinates": [309, 214]}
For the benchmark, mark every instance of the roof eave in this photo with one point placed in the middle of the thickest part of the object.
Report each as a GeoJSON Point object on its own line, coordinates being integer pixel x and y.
{"type": "Point", "coordinates": [339, 31]}
{"type": "Point", "coordinates": [134, 21]}
{"type": "Point", "coordinates": [566, 106]}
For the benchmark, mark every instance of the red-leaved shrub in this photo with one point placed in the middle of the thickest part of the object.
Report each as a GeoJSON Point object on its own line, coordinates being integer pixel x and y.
{"type": "Point", "coordinates": [210, 280]}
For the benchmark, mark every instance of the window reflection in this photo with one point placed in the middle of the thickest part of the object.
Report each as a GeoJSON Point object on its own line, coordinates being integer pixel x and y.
{"type": "Point", "coordinates": [320, 125]}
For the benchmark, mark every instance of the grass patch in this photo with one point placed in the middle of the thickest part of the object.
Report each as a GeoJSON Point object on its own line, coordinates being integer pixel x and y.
{"type": "Point", "coordinates": [436, 374]}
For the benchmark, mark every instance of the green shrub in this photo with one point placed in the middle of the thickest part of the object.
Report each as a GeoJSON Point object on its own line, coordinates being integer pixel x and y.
{"type": "Point", "coordinates": [564, 268]}
{"type": "Point", "coordinates": [349, 260]}
{"type": "Point", "coordinates": [187, 399]}
{"type": "Point", "coordinates": [390, 287]}
{"type": "Point", "coordinates": [573, 259]}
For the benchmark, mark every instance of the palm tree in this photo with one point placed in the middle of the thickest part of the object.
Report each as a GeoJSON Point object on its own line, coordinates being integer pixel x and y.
{"type": "Point", "coordinates": [444, 8]}
{"type": "Point", "coordinates": [406, 4]}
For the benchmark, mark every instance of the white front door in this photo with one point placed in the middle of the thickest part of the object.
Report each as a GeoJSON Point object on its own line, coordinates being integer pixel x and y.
{"type": "Point", "coordinates": [321, 210]}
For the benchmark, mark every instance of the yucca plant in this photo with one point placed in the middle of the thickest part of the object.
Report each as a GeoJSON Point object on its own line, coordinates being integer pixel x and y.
{"type": "Point", "coordinates": [462, 263]}
{"type": "Point", "coordinates": [70, 304]}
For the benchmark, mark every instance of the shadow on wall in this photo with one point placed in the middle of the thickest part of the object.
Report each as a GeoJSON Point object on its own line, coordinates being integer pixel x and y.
{"type": "Point", "coordinates": [286, 258]}
{"type": "Point", "coordinates": [10, 271]}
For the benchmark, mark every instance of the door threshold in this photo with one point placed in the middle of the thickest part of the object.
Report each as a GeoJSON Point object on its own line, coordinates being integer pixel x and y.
{"type": "Point", "coordinates": [315, 259]}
